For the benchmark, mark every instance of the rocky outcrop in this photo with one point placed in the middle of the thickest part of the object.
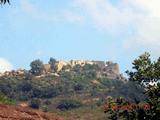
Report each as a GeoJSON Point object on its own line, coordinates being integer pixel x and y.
{"type": "Point", "coordinates": [72, 63]}
{"type": "Point", "coordinates": [101, 64]}
{"type": "Point", "coordinates": [61, 64]}
{"type": "Point", "coordinates": [47, 68]}
{"type": "Point", "coordinates": [21, 113]}
{"type": "Point", "coordinates": [107, 69]}
{"type": "Point", "coordinates": [19, 72]}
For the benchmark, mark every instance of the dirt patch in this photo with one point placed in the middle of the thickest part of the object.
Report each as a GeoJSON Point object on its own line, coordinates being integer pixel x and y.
{"type": "Point", "coordinates": [19, 113]}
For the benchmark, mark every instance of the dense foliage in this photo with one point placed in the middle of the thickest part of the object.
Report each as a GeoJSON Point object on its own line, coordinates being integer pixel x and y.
{"type": "Point", "coordinates": [147, 74]}
{"type": "Point", "coordinates": [121, 109]}
{"type": "Point", "coordinates": [69, 104]}
{"type": "Point", "coordinates": [144, 70]}
{"type": "Point", "coordinates": [37, 67]}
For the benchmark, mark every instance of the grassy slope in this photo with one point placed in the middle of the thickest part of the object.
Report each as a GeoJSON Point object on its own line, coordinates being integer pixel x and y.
{"type": "Point", "coordinates": [84, 113]}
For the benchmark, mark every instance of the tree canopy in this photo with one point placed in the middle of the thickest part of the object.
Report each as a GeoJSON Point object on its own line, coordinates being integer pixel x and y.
{"type": "Point", "coordinates": [37, 67]}
{"type": "Point", "coordinates": [52, 63]}
{"type": "Point", "coordinates": [145, 70]}
{"type": "Point", "coordinates": [4, 1]}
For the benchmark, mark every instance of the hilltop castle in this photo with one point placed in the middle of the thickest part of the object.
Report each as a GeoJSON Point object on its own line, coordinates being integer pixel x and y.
{"type": "Point", "coordinates": [108, 69]}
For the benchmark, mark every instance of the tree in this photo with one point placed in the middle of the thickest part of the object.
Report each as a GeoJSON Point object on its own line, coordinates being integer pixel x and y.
{"type": "Point", "coordinates": [146, 72]}
{"type": "Point", "coordinates": [154, 101]}
{"type": "Point", "coordinates": [52, 63]}
{"type": "Point", "coordinates": [37, 67]}
{"type": "Point", "coordinates": [4, 1]}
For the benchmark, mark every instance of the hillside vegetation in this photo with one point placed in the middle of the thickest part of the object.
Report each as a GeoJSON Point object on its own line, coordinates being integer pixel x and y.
{"type": "Point", "coordinates": [83, 88]}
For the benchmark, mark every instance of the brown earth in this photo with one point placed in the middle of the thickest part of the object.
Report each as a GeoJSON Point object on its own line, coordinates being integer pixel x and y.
{"type": "Point", "coordinates": [8, 112]}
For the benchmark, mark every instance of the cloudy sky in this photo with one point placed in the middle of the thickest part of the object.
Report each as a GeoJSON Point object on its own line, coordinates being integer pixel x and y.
{"type": "Point", "coordinates": [117, 30]}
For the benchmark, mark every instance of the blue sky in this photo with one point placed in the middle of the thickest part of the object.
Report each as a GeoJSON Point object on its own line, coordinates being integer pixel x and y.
{"type": "Point", "coordinates": [78, 29]}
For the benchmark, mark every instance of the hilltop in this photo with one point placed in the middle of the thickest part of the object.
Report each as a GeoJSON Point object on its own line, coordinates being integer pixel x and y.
{"type": "Point", "coordinates": [68, 88]}
{"type": "Point", "coordinates": [105, 68]}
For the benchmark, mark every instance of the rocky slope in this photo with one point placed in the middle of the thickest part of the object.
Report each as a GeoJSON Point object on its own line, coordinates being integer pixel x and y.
{"type": "Point", "coordinates": [19, 113]}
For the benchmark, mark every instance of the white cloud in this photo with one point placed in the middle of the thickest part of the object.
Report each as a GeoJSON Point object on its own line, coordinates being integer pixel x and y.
{"type": "Point", "coordinates": [5, 65]}
{"type": "Point", "coordinates": [40, 14]}
{"type": "Point", "coordinates": [142, 17]}
{"type": "Point", "coordinates": [147, 28]}
{"type": "Point", "coordinates": [107, 16]}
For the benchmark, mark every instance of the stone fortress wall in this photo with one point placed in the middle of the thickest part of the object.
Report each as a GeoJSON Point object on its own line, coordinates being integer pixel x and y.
{"type": "Point", "coordinates": [101, 64]}
{"type": "Point", "coordinates": [108, 69]}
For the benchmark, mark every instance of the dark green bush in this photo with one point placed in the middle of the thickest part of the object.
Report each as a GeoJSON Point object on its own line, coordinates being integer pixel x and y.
{"type": "Point", "coordinates": [41, 92]}
{"type": "Point", "coordinates": [78, 87]}
{"type": "Point", "coordinates": [23, 97]}
{"type": "Point", "coordinates": [25, 86]}
{"type": "Point", "coordinates": [35, 103]}
{"type": "Point", "coordinates": [69, 104]}
{"type": "Point", "coordinates": [37, 67]}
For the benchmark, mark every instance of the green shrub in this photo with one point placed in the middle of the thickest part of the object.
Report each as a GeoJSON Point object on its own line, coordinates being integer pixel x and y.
{"type": "Point", "coordinates": [25, 86]}
{"type": "Point", "coordinates": [78, 87]}
{"type": "Point", "coordinates": [35, 103]}
{"type": "Point", "coordinates": [69, 104]}
{"type": "Point", "coordinates": [23, 97]}
{"type": "Point", "coordinates": [47, 92]}
{"type": "Point", "coordinates": [6, 100]}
